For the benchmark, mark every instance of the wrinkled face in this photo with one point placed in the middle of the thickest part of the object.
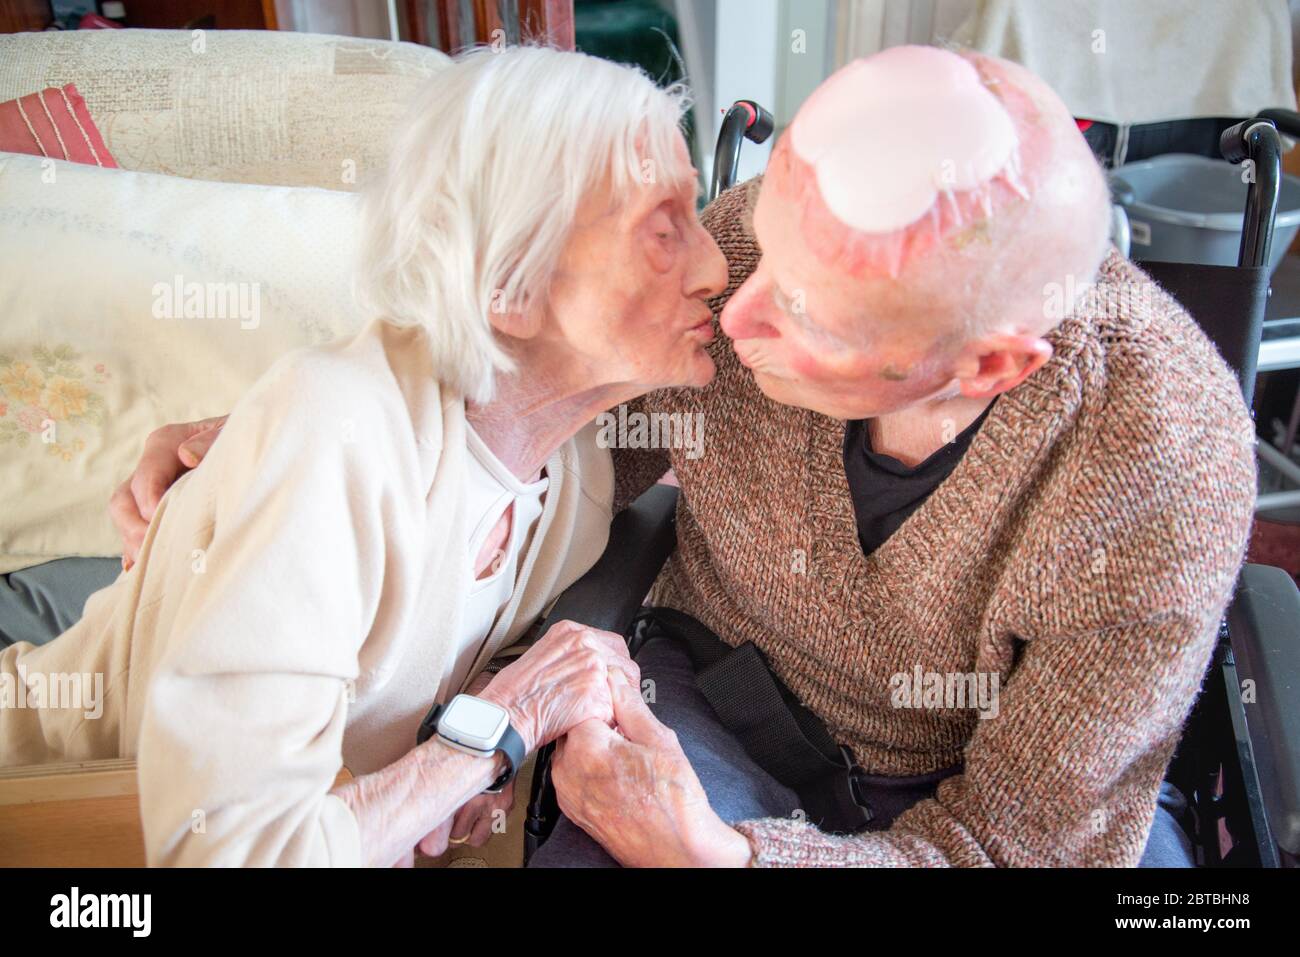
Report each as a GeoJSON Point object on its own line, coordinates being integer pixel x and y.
{"type": "Point", "coordinates": [628, 299]}
{"type": "Point", "coordinates": [818, 338]}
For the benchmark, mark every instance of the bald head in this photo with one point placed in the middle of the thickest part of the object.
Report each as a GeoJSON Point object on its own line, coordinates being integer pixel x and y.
{"type": "Point", "coordinates": [881, 143]}
{"type": "Point", "coordinates": [918, 222]}
{"type": "Point", "coordinates": [959, 175]}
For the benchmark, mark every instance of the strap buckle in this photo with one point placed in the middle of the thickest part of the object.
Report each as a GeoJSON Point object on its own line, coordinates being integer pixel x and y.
{"type": "Point", "coordinates": [857, 783]}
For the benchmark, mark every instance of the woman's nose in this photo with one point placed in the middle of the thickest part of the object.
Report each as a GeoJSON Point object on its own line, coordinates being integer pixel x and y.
{"type": "Point", "coordinates": [708, 277]}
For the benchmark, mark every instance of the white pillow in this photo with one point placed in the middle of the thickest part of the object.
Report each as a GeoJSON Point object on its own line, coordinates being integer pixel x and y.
{"type": "Point", "coordinates": [97, 348]}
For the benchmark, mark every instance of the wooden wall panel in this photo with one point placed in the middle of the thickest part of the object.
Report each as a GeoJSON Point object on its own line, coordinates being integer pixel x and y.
{"type": "Point", "coordinates": [18, 16]}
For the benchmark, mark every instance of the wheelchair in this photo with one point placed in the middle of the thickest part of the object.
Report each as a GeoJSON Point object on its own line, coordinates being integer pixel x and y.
{"type": "Point", "coordinates": [1238, 761]}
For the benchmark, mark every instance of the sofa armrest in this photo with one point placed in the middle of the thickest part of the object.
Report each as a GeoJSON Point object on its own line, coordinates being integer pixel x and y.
{"type": "Point", "coordinates": [1264, 629]}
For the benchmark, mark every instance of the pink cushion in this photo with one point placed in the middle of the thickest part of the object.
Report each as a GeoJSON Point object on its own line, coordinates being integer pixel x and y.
{"type": "Point", "coordinates": [53, 123]}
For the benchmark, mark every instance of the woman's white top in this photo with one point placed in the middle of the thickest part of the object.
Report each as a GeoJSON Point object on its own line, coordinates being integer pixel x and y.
{"type": "Point", "coordinates": [490, 489]}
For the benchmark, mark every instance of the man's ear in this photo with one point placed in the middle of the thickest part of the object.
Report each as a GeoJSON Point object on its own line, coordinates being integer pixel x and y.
{"type": "Point", "coordinates": [993, 364]}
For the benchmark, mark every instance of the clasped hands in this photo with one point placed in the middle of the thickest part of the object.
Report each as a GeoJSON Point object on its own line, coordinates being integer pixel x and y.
{"type": "Point", "coordinates": [619, 773]}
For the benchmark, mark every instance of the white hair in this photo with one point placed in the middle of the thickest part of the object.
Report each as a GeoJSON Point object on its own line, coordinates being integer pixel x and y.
{"type": "Point", "coordinates": [483, 185]}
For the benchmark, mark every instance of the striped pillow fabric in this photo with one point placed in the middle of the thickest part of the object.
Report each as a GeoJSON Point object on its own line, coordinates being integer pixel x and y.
{"type": "Point", "coordinates": [53, 123]}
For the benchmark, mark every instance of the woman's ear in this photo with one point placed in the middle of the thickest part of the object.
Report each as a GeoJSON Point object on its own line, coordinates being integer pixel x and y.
{"type": "Point", "coordinates": [516, 320]}
{"type": "Point", "coordinates": [516, 325]}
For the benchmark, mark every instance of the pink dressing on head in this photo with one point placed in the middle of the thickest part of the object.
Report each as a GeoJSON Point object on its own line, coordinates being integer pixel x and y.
{"type": "Point", "coordinates": [896, 151]}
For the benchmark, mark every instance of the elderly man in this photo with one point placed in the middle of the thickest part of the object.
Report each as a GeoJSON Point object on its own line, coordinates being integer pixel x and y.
{"type": "Point", "coordinates": [954, 436]}
{"type": "Point", "coordinates": [921, 461]}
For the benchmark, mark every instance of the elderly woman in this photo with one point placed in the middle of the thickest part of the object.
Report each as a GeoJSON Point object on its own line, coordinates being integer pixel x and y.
{"type": "Point", "coordinates": [381, 516]}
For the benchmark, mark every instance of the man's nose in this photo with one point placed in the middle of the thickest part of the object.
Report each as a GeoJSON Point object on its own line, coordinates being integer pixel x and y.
{"type": "Point", "coordinates": [743, 317]}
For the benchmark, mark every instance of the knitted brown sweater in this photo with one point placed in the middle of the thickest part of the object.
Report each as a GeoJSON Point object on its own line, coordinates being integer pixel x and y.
{"type": "Point", "coordinates": [1082, 551]}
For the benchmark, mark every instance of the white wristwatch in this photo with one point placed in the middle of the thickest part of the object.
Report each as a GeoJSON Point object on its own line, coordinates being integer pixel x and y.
{"type": "Point", "coordinates": [476, 727]}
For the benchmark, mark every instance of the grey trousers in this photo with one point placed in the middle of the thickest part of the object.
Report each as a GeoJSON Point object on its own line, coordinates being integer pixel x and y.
{"type": "Point", "coordinates": [40, 603]}
{"type": "Point", "coordinates": [740, 790]}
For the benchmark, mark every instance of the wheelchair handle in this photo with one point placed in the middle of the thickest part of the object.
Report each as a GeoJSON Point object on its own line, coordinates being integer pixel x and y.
{"type": "Point", "coordinates": [745, 120]}
{"type": "Point", "coordinates": [1286, 121]}
{"type": "Point", "coordinates": [1257, 142]}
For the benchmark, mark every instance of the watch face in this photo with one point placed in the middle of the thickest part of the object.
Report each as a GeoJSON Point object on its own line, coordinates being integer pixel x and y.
{"type": "Point", "coordinates": [472, 722]}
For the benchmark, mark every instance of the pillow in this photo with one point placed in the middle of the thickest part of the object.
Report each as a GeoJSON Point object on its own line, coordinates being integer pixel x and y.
{"type": "Point", "coordinates": [241, 106]}
{"type": "Point", "coordinates": [130, 300]}
{"type": "Point", "coordinates": [53, 123]}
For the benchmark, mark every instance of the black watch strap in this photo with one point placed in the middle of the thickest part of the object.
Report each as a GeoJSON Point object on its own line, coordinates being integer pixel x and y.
{"type": "Point", "coordinates": [512, 746]}
{"type": "Point", "coordinates": [429, 726]}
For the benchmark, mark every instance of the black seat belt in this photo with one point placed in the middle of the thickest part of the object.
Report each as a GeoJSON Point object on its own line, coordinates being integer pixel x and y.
{"type": "Point", "coordinates": [783, 737]}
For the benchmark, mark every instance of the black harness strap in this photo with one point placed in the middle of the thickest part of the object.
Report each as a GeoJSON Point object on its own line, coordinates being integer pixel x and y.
{"type": "Point", "coordinates": [783, 737]}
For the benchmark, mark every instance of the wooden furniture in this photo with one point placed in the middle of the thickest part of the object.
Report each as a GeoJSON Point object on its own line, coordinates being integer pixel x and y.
{"type": "Point", "coordinates": [19, 16]}
{"type": "Point", "coordinates": [71, 815]}
{"type": "Point", "coordinates": [83, 814]}
{"type": "Point", "coordinates": [206, 14]}
{"type": "Point", "coordinates": [452, 25]}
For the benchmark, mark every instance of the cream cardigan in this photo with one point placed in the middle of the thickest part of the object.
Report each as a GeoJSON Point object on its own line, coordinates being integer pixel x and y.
{"type": "Point", "coordinates": [296, 602]}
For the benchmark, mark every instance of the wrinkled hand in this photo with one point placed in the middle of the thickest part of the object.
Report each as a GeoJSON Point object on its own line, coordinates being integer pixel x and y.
{"type": "Point", "coordinates": [561, 681]}
{"type": "Point", "coordinates": [636, 794]}
{"type": "Point", "coordinates": [433, 844]}
{"type": "Point", "coordinates": [169, 452]}
{"type": "Point", "coordinates": [472, 824]}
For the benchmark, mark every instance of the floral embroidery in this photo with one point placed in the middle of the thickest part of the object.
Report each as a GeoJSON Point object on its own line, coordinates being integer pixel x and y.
{"type": "Point", "coordinates": [65, 398]}
{"type": "Point", "coordinates": [47, 396]}
{"type": "Point", "coordinates": [22, 383]}
{"type": "Point", "coordinates": [32, 418]}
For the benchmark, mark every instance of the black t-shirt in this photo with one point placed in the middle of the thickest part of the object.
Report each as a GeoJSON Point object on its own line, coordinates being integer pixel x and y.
{"type": "Point", "coordinates": [885, 491]}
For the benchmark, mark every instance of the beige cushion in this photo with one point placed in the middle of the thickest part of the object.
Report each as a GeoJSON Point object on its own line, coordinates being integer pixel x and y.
{"type": "Point", "coordinates": [295, 109]}
{"type": "Point", "coordinates": [96, 350]}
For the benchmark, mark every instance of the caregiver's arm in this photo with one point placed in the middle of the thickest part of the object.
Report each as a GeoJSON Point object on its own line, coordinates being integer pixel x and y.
{"type": "Point", "coordinates": [172, 450]}
{"type": "Point", "coordinates": [169, 452]}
